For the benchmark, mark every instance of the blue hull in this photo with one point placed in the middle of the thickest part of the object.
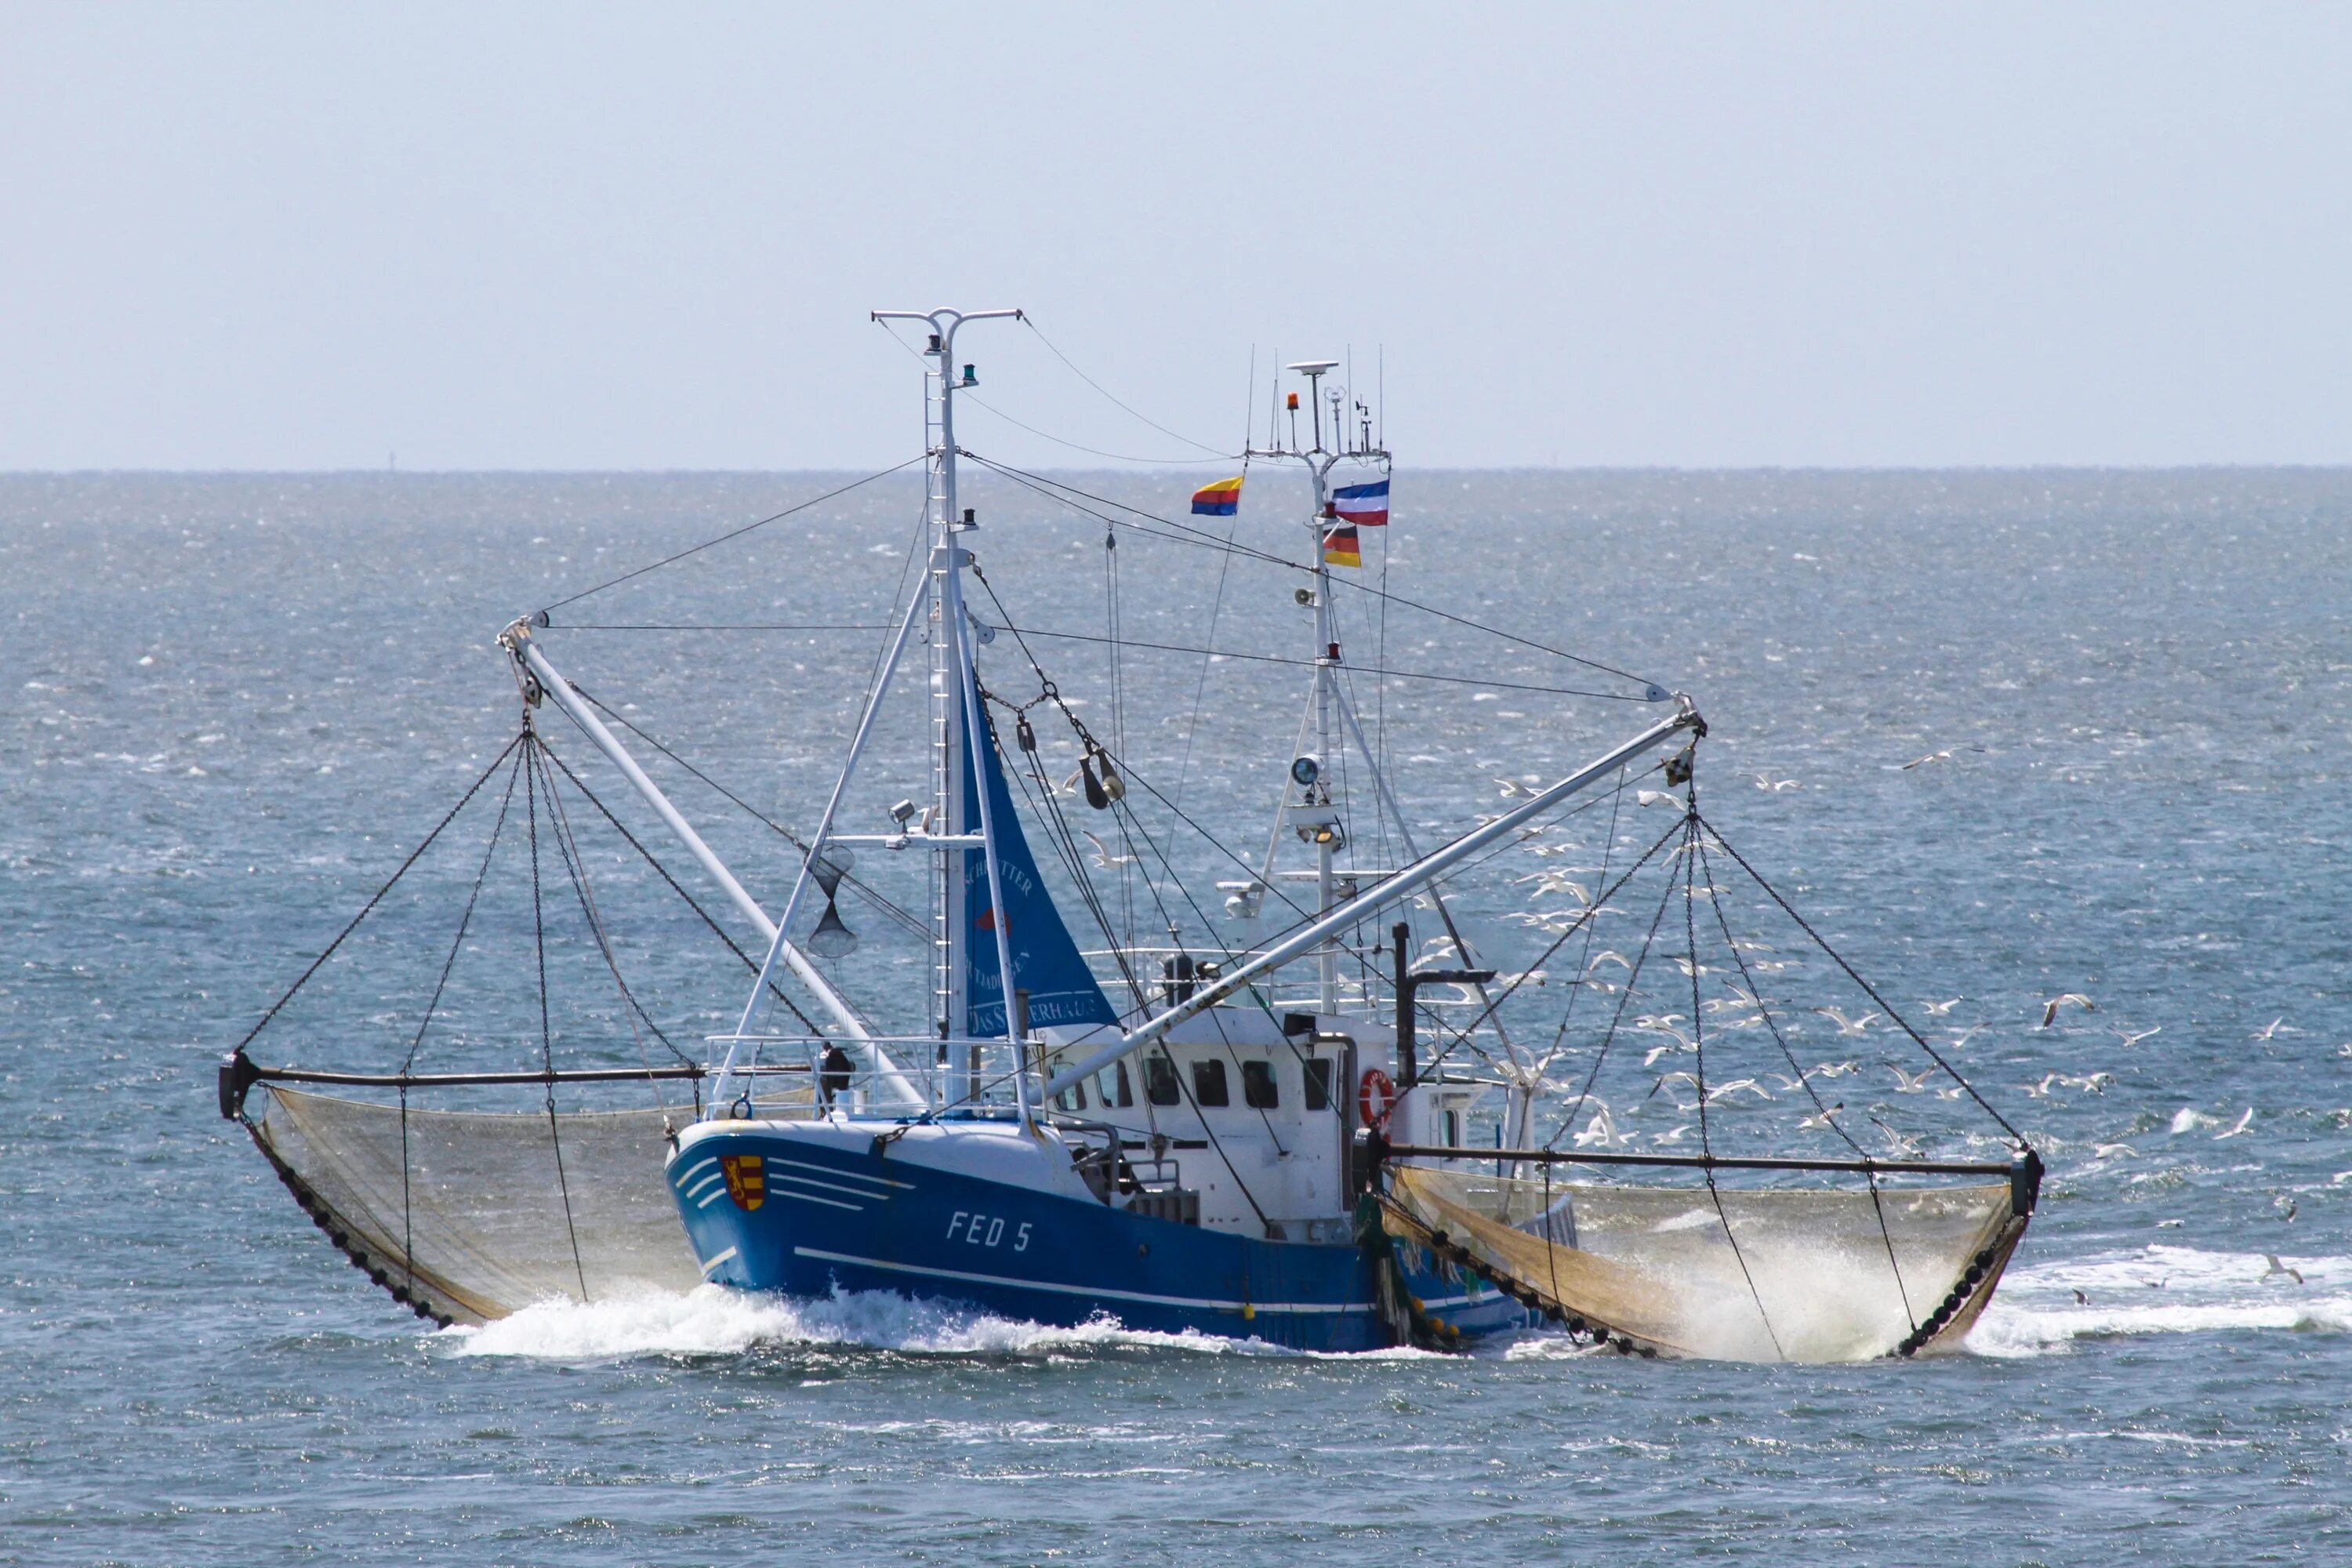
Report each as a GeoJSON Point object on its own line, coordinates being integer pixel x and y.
{"type": "Point", "coordinates": [831, 1214]}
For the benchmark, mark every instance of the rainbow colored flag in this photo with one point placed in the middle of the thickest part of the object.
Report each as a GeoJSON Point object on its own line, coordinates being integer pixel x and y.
{"type": "Point", "coordinates": [1366, 506]}
{"type": "Point", "coordinates": [1222, 498]}
{"type": "Point", "coordinates": [1341, 547]}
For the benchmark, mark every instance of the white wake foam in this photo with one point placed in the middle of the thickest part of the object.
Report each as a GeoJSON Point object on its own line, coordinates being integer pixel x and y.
{"type": "Point", "coordinates": [713, 1319]}
{"type": "Point", "coordinates": [2161, 1290]}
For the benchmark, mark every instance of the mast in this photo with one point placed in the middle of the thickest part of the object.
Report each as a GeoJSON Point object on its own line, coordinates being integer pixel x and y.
{"type": "Point", "coordinates": [955, 718]}
{"type": "Point", "coordinates": [1309, 775]}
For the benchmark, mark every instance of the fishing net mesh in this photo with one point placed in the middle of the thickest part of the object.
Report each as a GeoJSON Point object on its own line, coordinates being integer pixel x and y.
{"type": "Point", "coordinates": [1817, 1275]}
{"type": "Point", "coordinates": [468, 1216]}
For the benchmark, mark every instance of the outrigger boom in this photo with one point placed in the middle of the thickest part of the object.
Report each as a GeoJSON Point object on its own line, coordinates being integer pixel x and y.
{"type": "Point", "coordinates": [1408, 879]}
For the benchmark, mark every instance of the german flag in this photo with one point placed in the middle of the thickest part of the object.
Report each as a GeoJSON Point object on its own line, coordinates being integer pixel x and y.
{"type": "Point", "coordinates": [1341, 546]}
{"type": "Point", "coordinates": [1222, 498]}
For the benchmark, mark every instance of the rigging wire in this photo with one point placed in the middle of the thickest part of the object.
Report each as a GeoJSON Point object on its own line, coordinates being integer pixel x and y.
{"type": "Point", "coordinates": [546, 1032]}
{"type": "Point", "coordinates": [457, 944]}
{"type": "Point", "coordinates": [1045, 484]}
{"type": "Point", "coordinates": [1878, 1208]}
{"type": "Point", "coordinates": [575, 865]}
{"type": "Point", "coordinates": [733, 533]}
{"type": "Point", "coordinates": [1868, 990]}
{"type": "Point", "coordinates": [377, 897]}
{"type": "Point", "coordinates": [1698, 1074]}
{"type": "Point", "coordinates": [1482, 682]}
{"type": "Point", "coordinates": [1030, 324]}
{"type": "Point", "coordinates": [878, 900]}
{"type": "Point", "coordinates": [707, 918]}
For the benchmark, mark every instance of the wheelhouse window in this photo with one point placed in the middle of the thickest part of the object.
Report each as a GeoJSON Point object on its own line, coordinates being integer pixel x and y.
{"type": "Point", "coordinates": [1117, 1092]}
{"type": "Point", "coordinates": [1208, 1083]}
{"type": "Point", "coordinates": [1318, 1073]}
{"type": "Point", "coordinates": [1160, 1084]}
{"type": "Point", "coordinates": [1259, 1089]}
{"type": "Point", "coordinates": [1073, 1098]}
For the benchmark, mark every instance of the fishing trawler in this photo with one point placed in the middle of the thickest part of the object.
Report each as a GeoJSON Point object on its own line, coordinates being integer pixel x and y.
{"type": "Point", "coordinates": [1250, 1142]}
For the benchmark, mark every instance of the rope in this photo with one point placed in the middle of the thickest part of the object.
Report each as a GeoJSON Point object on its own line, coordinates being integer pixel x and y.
{"type": "Point", "coordinates": [365, 910]}
{"type": "Point", "coordinates": [575, 866]}
{"type": "Point", "coordinates": [787, 835]}
{"type": "Point", "coordinates": [408, 1230]}
{"type": "Point", "coordinates": [1867, 989]}
{"type": "Point", "coordinates": [1748, 979]}
{"type": "Point", "coordinates": [546, 1033]}
{"type": "Point", "coordinates": [1482, 682]}
{"type": "Point", "coordinates": [1698, 1050]}
{"type": "Point", "coordinates": [1099, 386]}
{"type": "Point", "coordinates": [717, 930]}
{"type": "Point", "coordinates": [733, 533]}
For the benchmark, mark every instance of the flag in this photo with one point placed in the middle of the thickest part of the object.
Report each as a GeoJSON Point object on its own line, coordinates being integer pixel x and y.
{"type": "Point", "coordinates": [1366, 506]}
{"type": "Point", "coordinates": [1341, 546]}
{"type": "Point", "coordinates": [1221, 500]}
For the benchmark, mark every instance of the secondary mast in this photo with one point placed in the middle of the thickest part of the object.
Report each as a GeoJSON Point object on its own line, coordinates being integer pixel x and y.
{"type": "Point", "coordinates": [1309, 774]}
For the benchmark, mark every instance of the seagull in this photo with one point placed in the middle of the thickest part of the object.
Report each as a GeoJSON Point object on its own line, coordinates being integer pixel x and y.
{"type": "Point", "coordinates": [2096, 1083]}
{"type": "Point", "coordinates": [1512, 788]}
{"type": "Point", "coordinates": [1675, 1136]}
{"type": "Point", "coordinates": [1689, 1079]}
{"type": "Point", "coordinates": [2276, 1268]}
{"type": "Point", "coordinates": [2041, 1090]}
{"type": "Point", "coordinates": [1551, 883]}
{"type": "Point", "coordinates": [1650, 1060]}
{"type": "Point", "coordinates": [1943, 756]}
{"type": "Point", "coordinates": [1768, 783]}
{"type": "Point", "coordinates": [2081, 1299]}
{"type": "Point", "coordinates": [2111, 1150]}
{"type": "Point", "coordinates": [1824, 1119]}
{"type": "Point", "coordinates": [2171, 1224]}
{"type": "Point", "coordinates": [1912, 1083]}
{"type": "Point", "coordinates": [1608, 956]}
{"type": "Point", "coordinates": [1600, 1130]}
{"type": "Point", "coordinates": [1938, 1009]}
{"type": "Point", "coordinates": [1656, 797]}
{"type": "Point", "coordinates": [2288, 1206]}
{"type": "Point", "coordinates": [1787, 1084]}
{"type": "Point", "coordinates": [2277, 1026]}
{"type": "Point", "coordinates": [2244, 1122]}
{"type": "Point", "coordinates": [1735, 1086]}
{"type": "Point", "coordinates": [2134, 1036]}
{"type": "Point", "coordinates": [1904, 1148]}
{"type": "Point", "coordinates": [2050, 1008]}
{"type": "Point", "coordinates": [1833, 1070]}
{"type": "Point", "coordinates": [1103, 857]}
{"type": "Point", "coordinates": [1846, 1026]}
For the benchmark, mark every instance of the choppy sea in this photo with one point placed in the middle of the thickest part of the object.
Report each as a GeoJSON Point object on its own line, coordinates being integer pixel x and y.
{"type": "Point", "coordinates": [230, 705]}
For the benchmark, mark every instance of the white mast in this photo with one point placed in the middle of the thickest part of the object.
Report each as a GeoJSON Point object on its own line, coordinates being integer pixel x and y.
{"type": "Point", "coordinates": [955, 712]}
{"type": "Point", "coordinates": [1316, 792]}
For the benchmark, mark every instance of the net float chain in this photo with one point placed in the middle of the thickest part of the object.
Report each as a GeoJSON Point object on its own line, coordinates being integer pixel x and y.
{"type": "Point", "coordinates": [1979, 1266]}
{"type": "Point", "coordinates": [376, 1272]}
{"type": "Point", "coordinates": [1578, 1326]}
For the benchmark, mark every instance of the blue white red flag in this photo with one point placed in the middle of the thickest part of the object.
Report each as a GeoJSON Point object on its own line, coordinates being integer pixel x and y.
{"type": "Point", "coordinates": [1366, 506]}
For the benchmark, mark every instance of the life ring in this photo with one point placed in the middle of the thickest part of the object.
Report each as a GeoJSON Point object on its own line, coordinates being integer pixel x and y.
{"type": "Point", "coordinates": [1376, 1095]}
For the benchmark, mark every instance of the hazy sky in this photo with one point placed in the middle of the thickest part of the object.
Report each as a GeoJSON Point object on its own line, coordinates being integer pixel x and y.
{"type": "Point", "coordinates": [555, 236]}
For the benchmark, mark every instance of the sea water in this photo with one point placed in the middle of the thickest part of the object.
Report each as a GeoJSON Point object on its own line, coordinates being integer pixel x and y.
{"type": "Point", "coordinates": [229, 706]}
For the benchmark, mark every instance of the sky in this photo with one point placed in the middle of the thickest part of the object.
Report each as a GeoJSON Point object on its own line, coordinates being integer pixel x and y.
{"type": "Point", "coordinates": [565, 236]}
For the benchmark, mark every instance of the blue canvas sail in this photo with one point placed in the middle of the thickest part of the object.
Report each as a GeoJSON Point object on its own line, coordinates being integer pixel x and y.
{"type": "Point", "coordinates": [1045, 962]}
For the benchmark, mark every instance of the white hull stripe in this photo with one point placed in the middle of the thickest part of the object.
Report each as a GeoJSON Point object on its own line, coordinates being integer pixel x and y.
{"type": "Point", "coordinates": [775, 1176]}
{"type": "Point", "coordinates": [839, 1174]}
{"type": "Point", "coordinates": [704, 1186]}
{"type": "Point", "coordinates": [1297, 1307]}
{"type": "Point", "coordinates": [779, 1192]}
{"type": "Point", "coordinates": [704, 1164]}
{"type": "Point", "coordinates": [718, 1260]}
